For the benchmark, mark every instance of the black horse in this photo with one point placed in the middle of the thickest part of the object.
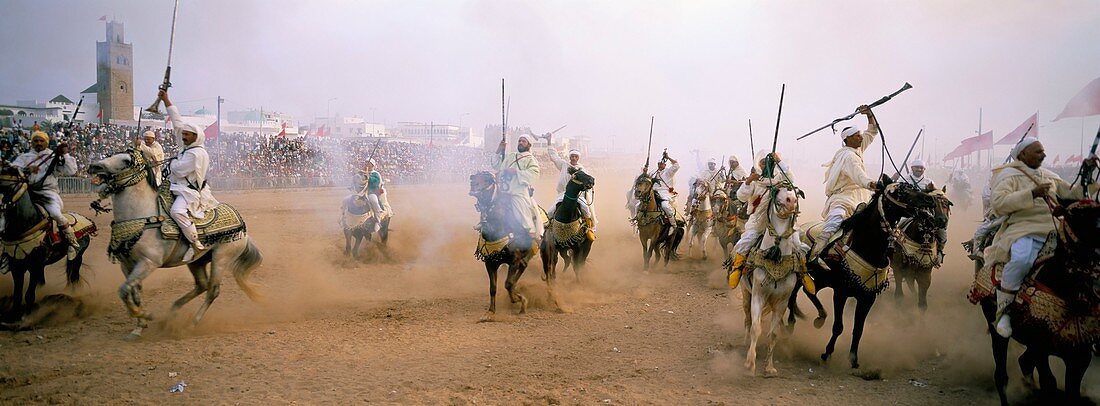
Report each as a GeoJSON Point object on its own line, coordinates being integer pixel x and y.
{"type": "Point", "coordinates": [503, 240]}
{"type": "Point", "coordinates": [27, 231]}
{"type": "Point", "coordinates": [867, 245]}
{"type": "Point", "coordinates": [567, 234]}
{"type": "Point", "coordinates": [914, 261]}
{"type": "Point", "coordinates": [1072, 275]}
{"type": "Point", "coordinates": [353, 208]}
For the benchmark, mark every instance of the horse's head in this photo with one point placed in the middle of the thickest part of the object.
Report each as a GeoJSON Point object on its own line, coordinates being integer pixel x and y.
{"type": "Point", "coordinates": [942, 210]}
{"type": "Point", "coordinates": [1083, 218]}
{"type": "Point", "coordinates": [643, 184]}
{"type": "Point", "coordinates": [119, 171]}
{"type": "Point", "coordinates": [12, 186]}
{"type": "Point", "coordinates": [786, 201]}
{"type": "Point", "coordinates": [903, 199]}
{"type": "Point", "coordinates": [582, 179]}
{"type": "Point", "coordinates": [481, 182]}
{"type": "Point", "coordinates": [700, 187]}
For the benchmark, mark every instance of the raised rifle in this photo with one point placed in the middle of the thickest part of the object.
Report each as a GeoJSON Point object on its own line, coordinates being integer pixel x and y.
{"type": "Point", "coordinates": [752, 148]}
{"type": "Point", "coordinates": [874, 104]}
{"type": "Point", "coordinates": [155, 108]}
{"type": "Point", "coordinates": [769, 161]}
{"type": "Point", "coordinates": [649, 147]}
{"type": "Point", "coordinates": [1009, 157]}
{"type": "Point", "coordinates": [905, 162]}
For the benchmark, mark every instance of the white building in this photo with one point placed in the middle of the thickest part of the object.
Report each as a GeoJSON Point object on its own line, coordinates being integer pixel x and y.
{"type": "Point", "coordinates": [347, 127]}
{"type": "Point", "coordinates": [434, 133]}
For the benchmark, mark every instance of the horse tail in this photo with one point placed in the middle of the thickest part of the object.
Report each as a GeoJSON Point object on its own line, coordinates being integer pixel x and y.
{"type": "Point", "coordinates": [243, 266]}
{"type": "Point", "coordinates": [72, 267]}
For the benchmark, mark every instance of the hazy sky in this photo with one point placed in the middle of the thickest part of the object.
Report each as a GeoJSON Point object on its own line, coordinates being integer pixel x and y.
{"type": "Point", "coordinates": [702, 68]}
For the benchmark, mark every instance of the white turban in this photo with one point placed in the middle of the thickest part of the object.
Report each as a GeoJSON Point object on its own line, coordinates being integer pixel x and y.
{"type": "Point", "coordinates": [185, 126]}
{"type": "Point", "coordinates": [1024, 143]}
{"type": "Point", "coordinates": [916, 162]}
{"type": "Point", "coordinates": [848, 132]}
{"type": "Point", "coordinates": [575, 152]}
{"type": "Point", "coordinates": [525, 137]}
{"type": "Point", "coordinates": [150, 134]}
{"type": "Point", "coordinates": [734, 159]}
{"type": "Point", "coordinates": [372, 162]}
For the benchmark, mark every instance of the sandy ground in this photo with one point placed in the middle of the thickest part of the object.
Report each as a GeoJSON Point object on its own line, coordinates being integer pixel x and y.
{"type": "Point", "coordinates": [333, 330]}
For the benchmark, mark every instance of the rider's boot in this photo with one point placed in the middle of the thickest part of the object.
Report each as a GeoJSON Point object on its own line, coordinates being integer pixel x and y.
{"type": "Point", "coordinates": [1003, 324]}
{"type": "Point", "coordinates": [736, 268]}
{"type": "Point", "coordinates": [815, 252]}
{"type": "Point", "coordinates": [591, 233]}
{"type": "Point", "coordinates": [808, 284]}
{"type": "Point", "coordinates": [192, 236]}
{"type": "Point", "coordinates": [70, 237]}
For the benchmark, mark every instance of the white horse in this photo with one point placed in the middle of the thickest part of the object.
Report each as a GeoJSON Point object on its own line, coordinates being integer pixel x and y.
{"type": "Point", "coordinates": [773, 277]}
{"type": "Point", "coordinates": [140, 247]}
{"type": "Point", "coordinates": [699, 215]}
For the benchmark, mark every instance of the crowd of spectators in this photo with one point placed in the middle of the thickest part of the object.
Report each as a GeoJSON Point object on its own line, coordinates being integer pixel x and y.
{"type": "Point", "coordinates": [244, 156]}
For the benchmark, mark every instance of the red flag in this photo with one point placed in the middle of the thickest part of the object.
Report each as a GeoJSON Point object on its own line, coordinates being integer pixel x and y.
{"type": "Point", "coordinates": [1073, 158]}
{"type": "Point", "coordinates": [283, 132]}
{"type": "Point", "coordinates": [104, 18]}
{"type": "Point", "coordinates": [321, 131]}
{"type": "Point", "coordinates": [1057, 158]}
{"type": "Point", "coordinates": [1013, 137]}
{"type": "Point", "coordinates": [211, 132]}
{"type": "Point", "coordinates": [970, 145]}
{"type": "Point", "coordinates": [100, 115]}
{"type": "Point", "coordinates": [1085, 103]}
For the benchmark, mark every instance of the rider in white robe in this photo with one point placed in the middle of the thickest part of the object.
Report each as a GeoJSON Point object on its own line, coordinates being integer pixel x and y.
{"type": "Point", "coordinates": [43, 186]}
{"type": "Point", "coordinates": [564, 177]}
{"type": "Point", "coordinates": [187, 178]}
{"type": "Point", "coordinates": [148, 144]}
{"type": "Point", "coordinates": [518, 172]}
{"type": "Point", "coordinates": [846, 181]}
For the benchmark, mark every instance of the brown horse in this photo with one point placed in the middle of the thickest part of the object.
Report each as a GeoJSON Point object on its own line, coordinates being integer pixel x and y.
{"type": "Point", "coordinates": [658, 235]}
{"type": "Point", "coordinates": [729, 221]}
{"type": "Point", "coordinates": [503, 240]}
{"type": "Point", "coordinates": [1057, 311]}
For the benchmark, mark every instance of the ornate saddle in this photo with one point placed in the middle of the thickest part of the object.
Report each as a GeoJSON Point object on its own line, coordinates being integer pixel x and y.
{"type": "Point", "coordinates": [45, 234]}
{"type": "Point", "coordinates": [219, 225]}
{"type": "Point", "coordinates": [1042, 303]}
{"type": "Point", "coordinates": [859, 271]}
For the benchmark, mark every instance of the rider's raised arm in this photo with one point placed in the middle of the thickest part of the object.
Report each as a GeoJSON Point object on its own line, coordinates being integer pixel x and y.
{"type": "Point", "coordinates": [66, 165]}
{"type": "Point", "coordinates": [556, 158]}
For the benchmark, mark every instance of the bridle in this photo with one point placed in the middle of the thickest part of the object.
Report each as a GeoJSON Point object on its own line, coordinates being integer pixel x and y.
{"type": "Point", "coordinates": [21, 189]}
{"type": "Point", "coordinates": [136, 172]}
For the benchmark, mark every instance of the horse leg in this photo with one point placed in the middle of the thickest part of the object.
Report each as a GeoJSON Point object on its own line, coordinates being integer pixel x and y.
{"type": "Point", "coordinates": [515, 270]}
{"type": "Point", "coordinates": [198, 272]}
{"type": "Point", "coordinates": [821, 313]}
{"type": "Point", "coordinates": [863, 307]}
{"type": "Point", "coordinates": [746, 305]}
{"type": "Point", "coordinates": [213, 289]}
{"type": "Point", "coordinates": [1077, 362]}
{"type": "Point", "coordinates": [703, 243]}
{"type": "Point", "coordinates": [776, 304]}
{"type": "Point", "coordinates": [757, 302]}
{"type": "Point", "coordinates": [1000, 351]}
{"type": "Point", "coordinates": [358, 240]}
{"type": "Point", "coordinates": [646, 252]}
{"type": "Point", "coordinates": [899, 281]}
{"type": "Point", "coordinates": [838, 323]}
{"type": "Point", "coordinates": [1048, 384]}
{"type": "Point", "coordinates": [16, 311]}
{"type": "Point", "coordinates": [130, 293]}
{"type": "Point", "coordinates": [491, 269]}
{"type": "Point", "coordinates": [549, 268]}
{"type": "Point", "coordinates": [924, 280]}
{"type": "Point", "coordinates": [347, 242]}
{"type": "Point", "coordinates": [38, 278]}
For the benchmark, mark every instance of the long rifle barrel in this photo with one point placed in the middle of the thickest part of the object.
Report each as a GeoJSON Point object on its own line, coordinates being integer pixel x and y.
{"type": "Point", "coordinates": [72, 120]}
{"type": "Point", "coordinates": [874, 104]}
{"type": "Point", "coordinates": [503, 121]}
{"type": "Point", "coordinates": [905, 162]}
{"type": "Point", "coordinates": [752, 148]}
{"type": "Point", "coordinates": [649, 147]}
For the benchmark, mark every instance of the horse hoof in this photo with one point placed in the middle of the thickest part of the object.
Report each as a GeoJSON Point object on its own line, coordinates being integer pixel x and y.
{"type": "Point", "coordinates": [855, 365]}
{"type": "Point", "coordinates": [818, 322]}
{"type": "Point", "coordinates": [825, 357]}
{"type": "Point", "coordinates": [522, 305]}
{"type": "Point", "coordinates": [133, 336]}
{"type": "Point", "coordinates": [488, 317]}
{"type": "Point", "coordinates": [770, 372]}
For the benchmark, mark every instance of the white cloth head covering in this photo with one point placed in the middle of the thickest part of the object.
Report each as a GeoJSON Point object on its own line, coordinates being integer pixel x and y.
{"type": "Point", "coordinates": [848, 132]}
{"type": "Point", "coordinates": [185, 126]}
{"type": "Point", "coordinates": [575, 152]}
{"type": "Point", "coordinates": [712, 161]}
{"type": "Point", "coordinates": [150, 134]}
{"type": "Point", "coordinates": [1024, 143]}
{"type": "Point", "coordinates": [916, 162]}
{"type": "Point", "coordinates": [525, 137]}
{"type": "Point", "coordinates": [733, 158]}
{"type": "Point", "coordinates": [372, 162]}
